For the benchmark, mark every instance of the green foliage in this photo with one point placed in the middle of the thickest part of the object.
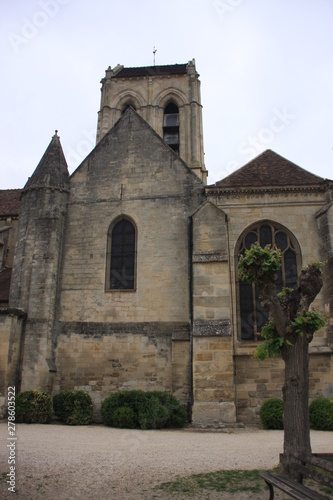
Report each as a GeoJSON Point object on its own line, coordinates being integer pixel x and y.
{"type": "Point", "coordinates": [145, 410]}
{"type": "Point", "coordinates": [272, 344]}
{"type": "Point", "coordinates": [271, 414]}
{"type": "Point", "coordinates": [259, 265]}
{"type": "Point", "coordinates": [285, 292]}
{"type": "Point", "coordinates": [309, 323]}
{"type": "Point", "coordinates": [124, 418]}
{"type": "Point", "coordinates": [321, 414]}
{"type": "Point", "coordinates": [73, 407]}
{"type": "Point", "coordinates": [33, 407]}
{"type": "Point", "coordinates": [154, 415]}
{"type": "Point", "coordinates": [177, 414]}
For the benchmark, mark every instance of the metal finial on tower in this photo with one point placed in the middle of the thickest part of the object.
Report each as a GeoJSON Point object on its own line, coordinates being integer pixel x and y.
{"type": "Point", "coordinates": [154, 52]}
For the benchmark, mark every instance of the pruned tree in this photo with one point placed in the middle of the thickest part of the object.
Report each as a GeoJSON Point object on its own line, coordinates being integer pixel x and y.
{"type": "Point", "coordinates": [287, 333]}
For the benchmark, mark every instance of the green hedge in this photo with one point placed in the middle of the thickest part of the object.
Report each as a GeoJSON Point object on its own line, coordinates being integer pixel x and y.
{"type": "Point", "coordinates": [33, 407]}
{"type": "Point", "coordinates": [73, 407]}
{"type": "Point", "coordinates": [321, 414]}
{"type": "Point", "coordinates": [144, 410]}
{"type": "Point", "coordinates": [271, 413]}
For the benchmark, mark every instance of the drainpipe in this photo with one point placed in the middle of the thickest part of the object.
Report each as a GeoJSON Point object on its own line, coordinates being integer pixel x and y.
{"type": "Point", "coordinates": [190, 304]}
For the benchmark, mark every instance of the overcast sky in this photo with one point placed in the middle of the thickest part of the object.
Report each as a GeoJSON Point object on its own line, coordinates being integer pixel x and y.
{"type": "Point", "coordinates": [265, 68]}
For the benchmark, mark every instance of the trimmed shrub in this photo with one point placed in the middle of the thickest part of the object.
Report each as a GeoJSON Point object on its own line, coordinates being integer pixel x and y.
{"type": "Point", "coordinates": [271, 414]}
{"type": "Point", "coordinates": [177, 414]}
{"type": "Point", "coordinates": [154, 415]}
{"type": "Point", "coordinates": [145, 410]}
{"type": "Point", "coordinates": [124, 418]}
{"type": "Point", "coordinates": [321, 414]}
{"type": "Point", "coordinates": [135, 400]}
{"type": "Point", "coordinates": [33, 407]}
{"type": "Point", "coordinates": [73, 407]}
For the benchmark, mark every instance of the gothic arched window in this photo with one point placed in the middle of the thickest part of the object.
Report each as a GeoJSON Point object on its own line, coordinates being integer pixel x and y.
{"type": "Point", "coordinates": [251, 314]}
{"type": "Point", "coordinates": [121, 255]}
{"type": "Point", "coordinates": [171, 126]}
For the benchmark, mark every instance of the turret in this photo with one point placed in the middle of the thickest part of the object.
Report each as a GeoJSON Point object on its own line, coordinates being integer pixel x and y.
{"type": "Point", "coordinates": [37, 260]}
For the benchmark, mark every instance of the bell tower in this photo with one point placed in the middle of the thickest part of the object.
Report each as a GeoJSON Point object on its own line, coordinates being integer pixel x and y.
{"type": "Point", "coordinates": [167, 97]}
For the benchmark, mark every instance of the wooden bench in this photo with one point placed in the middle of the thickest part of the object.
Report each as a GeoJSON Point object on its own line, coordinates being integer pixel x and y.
{"type": "Point", "coordinates": [318, 467]}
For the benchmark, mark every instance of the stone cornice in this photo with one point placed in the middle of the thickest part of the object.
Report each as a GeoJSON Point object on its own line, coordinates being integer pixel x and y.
{"type": "Point", "coordinates": [252, 192]}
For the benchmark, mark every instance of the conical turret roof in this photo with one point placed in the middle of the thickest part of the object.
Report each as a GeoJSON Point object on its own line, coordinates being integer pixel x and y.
{"type": "Point", "coordinates": [52, 170]}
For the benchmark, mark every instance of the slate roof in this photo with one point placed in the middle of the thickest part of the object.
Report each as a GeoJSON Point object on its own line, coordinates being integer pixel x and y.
{"type": "Point", "coordinates": [52, 170]}
{"type": "Point", "coordinates": [9, 202]}
{"type": "Point", "coordinates": [5, 277]}
{"type": "Point", "coordinates": [269, 169]}
{"type": "Point", "coordinates": [170, 69]}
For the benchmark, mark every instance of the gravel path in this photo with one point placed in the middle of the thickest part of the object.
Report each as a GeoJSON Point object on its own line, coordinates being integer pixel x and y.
{"type": "Point", "coordinates": [96, 462]}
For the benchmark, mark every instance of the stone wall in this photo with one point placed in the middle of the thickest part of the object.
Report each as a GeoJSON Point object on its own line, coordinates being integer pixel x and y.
{"type": "Point", "coordinates": [259, 380]}
{"type": "Point", "coordinates": [153, 187]}
{"type": "Point", "coordinates": [11, 341]}
{"type": "Point", "coordinates": [104, 358]}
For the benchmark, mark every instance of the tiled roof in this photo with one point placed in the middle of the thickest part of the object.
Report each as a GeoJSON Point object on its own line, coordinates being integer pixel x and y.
{"type": "Point", "coordinates": [269, 169]}
{"type": "Point", "coordinates": [5, 277]}
{"type": "Point", "coordinates": [9, 201]}
{"type": "Point", "coordinates": [172, 69]}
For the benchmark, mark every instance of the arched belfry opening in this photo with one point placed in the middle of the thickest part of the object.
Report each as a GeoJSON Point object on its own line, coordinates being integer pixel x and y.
{"type": "Point", "coordinates": [171, 126]}
{"type": "Point", "coordinates": [128, 105]}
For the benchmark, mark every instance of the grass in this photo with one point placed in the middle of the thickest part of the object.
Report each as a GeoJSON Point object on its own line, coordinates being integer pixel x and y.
{"type": "Point", "coordinates": [227, 481]}
{"type": "Point", "coordinates": [230, 481]}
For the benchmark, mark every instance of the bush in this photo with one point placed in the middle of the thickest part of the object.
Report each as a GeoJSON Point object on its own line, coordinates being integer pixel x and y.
{"type": "Point", "coordinates": [154, 415]}
{"type": "Point", "coordinates": [33, 407]}
{"type": "Point", "coordinates": [124, 418]}
{"type": "Point", "coordinates": [177, 414]}
{"type": "Point", "coordinates": [135, 400]}
{"type": "Point", "coordinates": [145, 410]}
{"type": "Point", "coordinates": [321, 414]}
{"type": "Point", "coordinates": [271, 414]}
{"type": "Point", "coordinates": [73, 407]}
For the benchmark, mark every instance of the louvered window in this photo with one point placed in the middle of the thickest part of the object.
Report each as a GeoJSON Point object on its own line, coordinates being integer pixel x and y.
{"type": "Point", "coordinates": [171, 126]}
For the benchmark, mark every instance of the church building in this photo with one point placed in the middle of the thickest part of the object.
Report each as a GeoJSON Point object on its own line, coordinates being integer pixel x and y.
{"type": "Point", "coordinates": [123, 275]}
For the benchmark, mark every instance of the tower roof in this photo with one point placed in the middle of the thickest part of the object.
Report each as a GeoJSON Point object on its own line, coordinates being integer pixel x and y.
{"type": "Point", "coordinates": [52, 170]}
{"type": "Point", "coordinates": [269, 169]}
{"type": "Point", "coordinates": [170, 69]}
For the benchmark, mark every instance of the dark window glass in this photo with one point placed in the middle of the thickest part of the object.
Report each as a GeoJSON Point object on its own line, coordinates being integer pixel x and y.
{"type": "Point", "coordinates": [265, 236]}
{"type": "Point", "coordinates": [250, 238]}
{"type": "Point", "coordinates": [122, 266]}
{"type": "Point", "coordinates": [281, 240]}
{"type": "Point", "coordinates": [290, 265]}
{"type": "Point", "coordinates": [253, 316]}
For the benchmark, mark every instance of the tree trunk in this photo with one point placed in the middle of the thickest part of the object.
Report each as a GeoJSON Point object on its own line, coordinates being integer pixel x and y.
{"type": "Point", "coordinates": [296, 400]}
